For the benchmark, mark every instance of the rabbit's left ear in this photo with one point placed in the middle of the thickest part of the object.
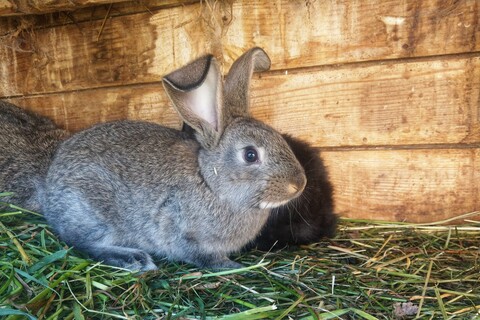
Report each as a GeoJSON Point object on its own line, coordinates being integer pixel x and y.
{"type": "Point", "coordinates": [237, 81]}
{"type": "Point", "coordinates": [196, 93]}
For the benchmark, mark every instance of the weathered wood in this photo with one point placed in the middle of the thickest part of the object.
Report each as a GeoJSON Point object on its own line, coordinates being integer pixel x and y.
{"type": "Point", "coordinates": [79, 110]}
{"type": "Point", "coordinates": [140, 48]}
{"type": "Point", "coordinates": [300, 34]}
{"type": "Point", "coordinates": [22, 7]}
{"type": "Point", "coordinates": [86, 14]}
{"type": "Point", "coordinates": [9, 24]}
{"type": "Point", "coordinates": [131, 49]}
{"type": "Point", "coordinates": [6, 7]}
{"type": "Point", "coordinates": [412, 103]}
{"type": "Point", "coordinates": [405, 185]}
{"type": "Point", "coordinates": [418, 185]}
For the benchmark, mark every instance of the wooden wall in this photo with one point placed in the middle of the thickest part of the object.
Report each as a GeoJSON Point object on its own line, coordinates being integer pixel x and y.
{"type": "Point", "coordinates": [389, 90]}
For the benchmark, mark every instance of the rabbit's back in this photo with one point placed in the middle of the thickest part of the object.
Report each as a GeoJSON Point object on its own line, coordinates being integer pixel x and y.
{"type": "Point", "coordinates": [130, 151]}
{"type": "Point", "coordinates": [120, 176]}
{"type": "Point", "coordinates": [27, 141]}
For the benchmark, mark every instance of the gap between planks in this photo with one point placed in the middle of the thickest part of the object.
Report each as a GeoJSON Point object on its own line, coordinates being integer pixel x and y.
{"type": "Point", "coordinates": [369, 63]}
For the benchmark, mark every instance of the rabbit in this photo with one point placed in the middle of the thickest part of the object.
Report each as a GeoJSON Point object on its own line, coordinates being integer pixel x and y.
{"type": "Point", "coordinates": [128, 190]}
{"type": "Point", "coordinates": [308, 218]}
{"type": "Point", "coordinates": [27, 143]}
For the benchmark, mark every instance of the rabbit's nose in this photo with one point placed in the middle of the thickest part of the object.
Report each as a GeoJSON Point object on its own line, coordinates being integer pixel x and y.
{"type": "Point", "coordinates": [297, 186]}
{"type": "Point", "coordinates": [292, 188]}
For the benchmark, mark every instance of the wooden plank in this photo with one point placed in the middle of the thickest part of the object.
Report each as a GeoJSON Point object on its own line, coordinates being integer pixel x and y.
{"type": "Point", "coordinates": [78, 110]}
{"type": "Point", "coordinates": [405, 185]}
{"type": "Point", "coordinates": [22, 7]}
{"type": "Point", "coordinates": [6, 7]}
{"type": "Point", "coordinates": [300, 34]}
{"type": "Point", "coordinates": [75, 13]}
{"type": "Point", "coordinates": [397, 104]}
{"type": "Point", "coordinates": [142, 47]}
{"type": "Point", "coordinates": [130, 49]}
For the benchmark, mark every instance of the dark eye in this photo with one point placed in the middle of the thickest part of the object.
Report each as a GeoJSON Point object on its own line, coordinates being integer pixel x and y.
{"type": "Point", "coordinates": [251, 154]}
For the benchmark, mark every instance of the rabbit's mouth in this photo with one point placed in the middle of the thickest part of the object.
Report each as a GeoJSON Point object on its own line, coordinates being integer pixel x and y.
{"type": "Point", "coordinates": [271, 204]}
{"type": "Point", "coordinates": [290, 192]}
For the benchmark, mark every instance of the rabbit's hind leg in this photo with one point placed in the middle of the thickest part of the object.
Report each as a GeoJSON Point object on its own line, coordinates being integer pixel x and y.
{"type": "Point", "coordinates": [123, 257]}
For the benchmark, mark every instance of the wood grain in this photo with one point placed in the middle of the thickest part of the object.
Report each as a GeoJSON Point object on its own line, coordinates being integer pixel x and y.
{"type": "Point", "coordinates": [78, 110]}
{"type": "Point", "coordinates": [22, 7]}
{"type": "Point", "coordinates": [141, 47]}
{"type": "Point", "coordinates": [405, 185]}
{"type": "Point", "coordinates": [414, 103]}
{"type": "Point", "coordinates": [6, 7]}
{"type": "Point", "coordinates": [80, 14]}
{"type": "Point", "coordinates": [300, 34]}
{"type": "Point", "coordinates": [82, 10]}
{"type": "Point", "coordinates": [415, 185]}
{"type": "Point", "coordinates": [130, 49]}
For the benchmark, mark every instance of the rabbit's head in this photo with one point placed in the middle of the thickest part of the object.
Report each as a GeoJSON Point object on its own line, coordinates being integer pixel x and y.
{"type": "Point", "coordinates": [242, 160]}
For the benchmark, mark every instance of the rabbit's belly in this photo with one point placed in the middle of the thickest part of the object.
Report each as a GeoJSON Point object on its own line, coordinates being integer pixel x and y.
{"type": "Point", "coordinates": [177, 230]}
{"type": "Point", "coordinates": [230, 231]}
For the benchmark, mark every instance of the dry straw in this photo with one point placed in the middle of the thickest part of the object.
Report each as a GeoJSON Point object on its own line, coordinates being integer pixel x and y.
{"type": "Point", "coordinates": [371, 270]}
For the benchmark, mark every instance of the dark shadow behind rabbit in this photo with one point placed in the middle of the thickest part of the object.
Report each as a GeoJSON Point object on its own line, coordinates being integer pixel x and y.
{"type": "Point", "coordinates": [27, 144]}
{"type": "Point", "coordinates": [307, 218]}
{"type": "Point", "coordinates": [126, 190]}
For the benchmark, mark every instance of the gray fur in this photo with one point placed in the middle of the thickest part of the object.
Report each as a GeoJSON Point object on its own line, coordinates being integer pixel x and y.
{"type": "Point", "coordinates": [27, 143]}
{"type": "Point", "coordinates": [125, 190]}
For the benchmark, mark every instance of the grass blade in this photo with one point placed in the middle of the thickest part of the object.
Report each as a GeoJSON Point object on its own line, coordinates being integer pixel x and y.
{"type": "Point", "coordinates": [13, 312]}
{"type": "Point", "coordinates": [48, 260]}
{"type": "Point", "coordinates": [257, 313]}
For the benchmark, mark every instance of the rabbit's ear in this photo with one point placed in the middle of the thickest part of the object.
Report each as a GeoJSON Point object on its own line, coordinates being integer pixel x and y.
{"type": "Point", "coordinates": [196, 93]}
{"type": "Point", "coordinates": [237, 81]}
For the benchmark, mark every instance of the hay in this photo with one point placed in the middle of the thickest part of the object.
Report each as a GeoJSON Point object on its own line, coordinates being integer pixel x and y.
{"type": "Point", "coordinates": [372, 270]}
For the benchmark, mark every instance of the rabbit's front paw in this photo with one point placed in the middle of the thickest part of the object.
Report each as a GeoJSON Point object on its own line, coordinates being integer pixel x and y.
{"type": "Point", "coordinates": [141, 261]}
{"type": "Point", "coordinates": [215, 263]}
{"type": "Point", "coordinates": [228, 264]}
{"type": "Point", "coordinates": [128, 258]}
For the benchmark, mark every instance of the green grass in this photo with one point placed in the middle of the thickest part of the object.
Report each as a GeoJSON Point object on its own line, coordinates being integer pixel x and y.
{"type": "Point", "coordinates": [366, 272]}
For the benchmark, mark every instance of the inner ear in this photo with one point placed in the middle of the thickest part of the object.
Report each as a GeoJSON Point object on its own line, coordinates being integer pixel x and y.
{"type": "Point", "coordinates": [196, 92]}
{"type": "Point", "coordinates": [191, 76]}
{"type": "Point", "coordinates": [203, 100]}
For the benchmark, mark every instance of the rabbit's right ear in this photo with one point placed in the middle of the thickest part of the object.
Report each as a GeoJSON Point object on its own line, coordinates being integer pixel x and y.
{"type": "Point", "coordinates": [196, 93]}
{"type": "Point", "coordinates": [237, 81]}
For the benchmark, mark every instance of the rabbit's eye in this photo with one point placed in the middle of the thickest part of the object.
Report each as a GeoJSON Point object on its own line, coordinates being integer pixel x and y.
{"type": "Point", "coordinates": [251, 154]}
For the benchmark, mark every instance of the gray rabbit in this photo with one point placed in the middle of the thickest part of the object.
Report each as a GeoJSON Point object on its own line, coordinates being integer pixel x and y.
{"type": "Point", "coordinates": [27, 143]}
{"type": "Point", "coordinates": [126, 190]}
